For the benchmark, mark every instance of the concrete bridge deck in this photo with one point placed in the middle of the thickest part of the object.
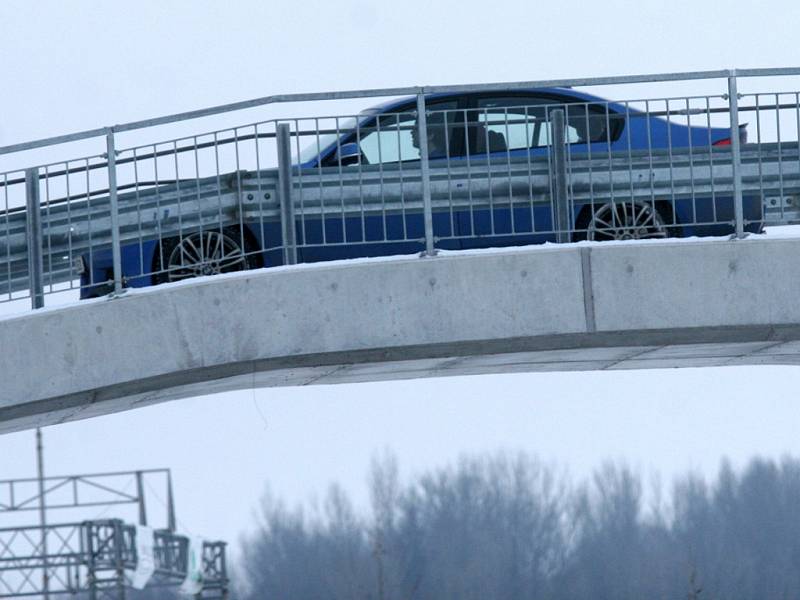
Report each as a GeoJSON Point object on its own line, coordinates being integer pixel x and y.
{"type": "Point", "coordinates": [688, 303]}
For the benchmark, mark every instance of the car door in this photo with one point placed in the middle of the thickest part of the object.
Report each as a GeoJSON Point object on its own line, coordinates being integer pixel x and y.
{"type": "Point", "coordinates": [508, 127]}
{"type": "Point", "coordinates": [388, 142]}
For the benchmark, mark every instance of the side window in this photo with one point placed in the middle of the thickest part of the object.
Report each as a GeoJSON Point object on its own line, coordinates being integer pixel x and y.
{"type": "Point", "coordinates": [510, 123]}
{"type": "Point", "coordinates": [392, 137]}
{"type": "Point", "coordinates": [520, 122]}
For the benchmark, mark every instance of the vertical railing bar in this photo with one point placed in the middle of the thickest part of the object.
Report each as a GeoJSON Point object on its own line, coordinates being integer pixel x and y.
{"type": "Point", "coordinates": [380, 177]}
{"type": "Point", "coordinates": [142, 271]}
{"type": "Point", "coordinates": [488, 151]}
{"type": "Point", "coordinates": [650, 155]}
{"type": "Point", "coordinates": [589, 143]}
{"type": "Point", "coordinates": [199, 197]}
{"type": "Point", "coordinates": [691, 161]}
{"type": "Point", "coordinates": [341, 180]}
{"type": "Point", "coordinates": [758, 141]}
{"type": "Point", "coordinates": [559, 174]}
{"type": "Point", "coordinates": [548, 126]}
{"type": "Point", "coordinates": [301, 198]}
{"type": "Point", "coordinates": [427, 208]}
{"type": "Point", "coordinates": [180, 209]}
{"type": "Point", "coordinates": [400, 175]}
{"type": "Point", "coordinates": [8, 247]}
{"type": "Point", "coordinates": [239, 200]}
{"type": "Point", "coordinates": [89, 222]}
{"type": "Point", "coordinates": [673, 200]}
{"type": "Point", "coordinates": [361, 185]}
{"type": "Point", "coordinates": [634, 215]}
{"type": "Point", "coordinates": [736, 164]}
{"type": "Point", "coordinates": [711, 161]}
{"type": "Point", "coordinates": [47, 235]}
{"type": "Point", "coordinates": [322, 212]}
{"type": "Point", "coordinates": [569, 190]}
{"type": "Point", "coordinates": [70, 250]}
{"type": "Point", "coordinates": [451, 208]}
{"type": "Point", "coordinates": [219, 182]}
{"type": "Point", "coordinates": [508, 163]}
{"type": "Point", "coordinates": [283, 137]}
{"type": "Point", "coordinates": [529, 143]}
{"type": "Point", "coordinates": [261, 191]}
{"type": "Point", "coordinates": [780, 153]}
{"type": "Point", "coordinates": [34, 237]}
{"type": "Point", "coordinates": [162, 267]}
{"type": "Point", "coordinates": [610, 165]}
{"type": "Point", "coordinates": [467, 138]}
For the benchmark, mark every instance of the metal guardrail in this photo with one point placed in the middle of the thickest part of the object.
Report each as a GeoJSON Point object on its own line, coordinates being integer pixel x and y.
{"type": "Point", "coordinates": [547, 165]}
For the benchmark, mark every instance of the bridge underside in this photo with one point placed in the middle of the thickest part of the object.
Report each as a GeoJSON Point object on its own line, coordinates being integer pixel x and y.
{"type": "Point", "coordinates": [570, 308]}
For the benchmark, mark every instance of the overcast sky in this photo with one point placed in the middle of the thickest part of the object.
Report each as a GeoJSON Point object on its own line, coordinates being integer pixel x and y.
{"type": "Point", "coordinates": [76, 65]}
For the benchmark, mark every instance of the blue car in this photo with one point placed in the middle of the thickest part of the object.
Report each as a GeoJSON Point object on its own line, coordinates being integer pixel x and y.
{"type": "Point", "coordinates": [464, 130]}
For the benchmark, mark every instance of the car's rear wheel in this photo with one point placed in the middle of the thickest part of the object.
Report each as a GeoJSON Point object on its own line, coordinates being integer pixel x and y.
{"type": "Point", "coordinates": [625, 220]}
{"type": "Point", "coordinates": [202, 253]}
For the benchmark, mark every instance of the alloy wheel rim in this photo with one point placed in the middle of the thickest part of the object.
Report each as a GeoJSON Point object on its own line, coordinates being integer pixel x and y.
{"type": "Point", "coordinates": [630, 220]}
{"type": "Point", "coordinates": [204, 253]}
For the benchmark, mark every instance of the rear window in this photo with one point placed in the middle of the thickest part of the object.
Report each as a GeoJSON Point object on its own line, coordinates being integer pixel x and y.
{"type": "Point", "coordinates": [518, 122]}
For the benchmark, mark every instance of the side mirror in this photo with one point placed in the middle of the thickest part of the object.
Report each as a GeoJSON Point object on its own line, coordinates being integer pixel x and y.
{"type": "Point", "coordinates": [348, 154]}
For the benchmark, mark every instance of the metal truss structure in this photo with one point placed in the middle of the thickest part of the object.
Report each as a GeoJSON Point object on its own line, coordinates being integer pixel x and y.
{"type": "Point", "coordinates": [94, 559]}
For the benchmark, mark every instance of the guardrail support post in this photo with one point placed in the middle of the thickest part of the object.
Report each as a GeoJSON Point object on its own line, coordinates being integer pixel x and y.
{"type": "Point", "coordinates": [283, 138]}
{"type": "Point", "coordinates": [116, 255]}
{"type": "Point", "coordinates": [427, 205]}
{"type": "Point", "coordinates": [736, 155]}
{"type": "Point", "coordinates": [562, 223]}
{"type": "Point", "coordinates": [34, 238]}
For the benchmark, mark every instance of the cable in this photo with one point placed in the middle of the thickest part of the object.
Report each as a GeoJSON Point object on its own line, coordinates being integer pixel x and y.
{"type": "Point", "coordinates": [164, 504]}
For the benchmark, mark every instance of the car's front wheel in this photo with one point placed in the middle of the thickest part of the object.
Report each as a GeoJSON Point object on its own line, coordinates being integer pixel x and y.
{"type": "Point", "coordinates": [201, 253]}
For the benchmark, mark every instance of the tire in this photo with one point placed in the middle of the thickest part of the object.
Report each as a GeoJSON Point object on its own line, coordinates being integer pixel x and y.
{"type": "Point", "coordinates": [624, 220]}
{"type": "Point", "coordinates": [207, 252]}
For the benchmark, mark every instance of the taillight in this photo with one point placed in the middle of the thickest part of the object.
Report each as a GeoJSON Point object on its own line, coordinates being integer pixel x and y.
{"type": "Point", "coordinates": [727, 141]}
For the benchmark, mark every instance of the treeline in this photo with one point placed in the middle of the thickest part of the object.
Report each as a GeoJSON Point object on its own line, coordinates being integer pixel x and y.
{"type": "Point", "coordinates": [511, 528]}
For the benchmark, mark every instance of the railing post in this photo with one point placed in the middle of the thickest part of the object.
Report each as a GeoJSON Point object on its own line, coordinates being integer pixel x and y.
{"type": "Point", "coordinates": [563, 226]}
{"type": "Point", "coordinates": [116, 257]}
{"type": "Point", "coordinates": [736, 155]}
{"type": "Point", "coordinates": [283, 138]}
{"type": "Point", "coordinates": [427, 207]}
{"type": "Point", "coordinates": [34, 238]}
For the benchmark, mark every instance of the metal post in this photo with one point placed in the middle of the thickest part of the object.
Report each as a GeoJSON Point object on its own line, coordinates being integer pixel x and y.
{"type": "Point", "coordinates": [91, 560]}
{"type": "Point", "coordinates": [562, 223]}
{"type": "Point", "coordinates": [111, 154]}
{"type": "Point", "coordinates": [427, 207]}
{"type": "Point", "coordinates": [140, 496]}
{"type": "Point", "coordinates": [42, 510]}
{"type": "Point", "coordinates": [119, 564]}
{"type": "Point", "coordinates": [34, 237]}
{"type": "Point", "coordinates": [170, 504]}
{"type": "Point", "coordinates": [736, 156]}
{"type": "Point", "coordinates": [285, 191]}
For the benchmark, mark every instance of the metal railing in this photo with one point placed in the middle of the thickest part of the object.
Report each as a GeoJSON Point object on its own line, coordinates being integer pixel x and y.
{"type": "Point", "coordinates": [451, 167]}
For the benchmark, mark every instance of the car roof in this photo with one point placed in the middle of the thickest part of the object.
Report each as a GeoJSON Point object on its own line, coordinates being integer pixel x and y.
{"type": "Point", "coordinates": [391, 105]}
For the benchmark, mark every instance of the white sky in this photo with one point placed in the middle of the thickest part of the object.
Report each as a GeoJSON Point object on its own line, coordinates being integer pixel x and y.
{"type": "Point", "coordinates": [76, 65]}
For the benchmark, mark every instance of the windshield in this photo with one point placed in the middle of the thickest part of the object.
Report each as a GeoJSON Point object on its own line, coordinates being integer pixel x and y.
{"type": "Point", "coordinates": [320, 141]}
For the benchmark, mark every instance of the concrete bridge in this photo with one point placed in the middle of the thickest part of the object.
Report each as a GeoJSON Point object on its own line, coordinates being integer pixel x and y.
{"type": "Point", "coordinates": [569, 307]}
